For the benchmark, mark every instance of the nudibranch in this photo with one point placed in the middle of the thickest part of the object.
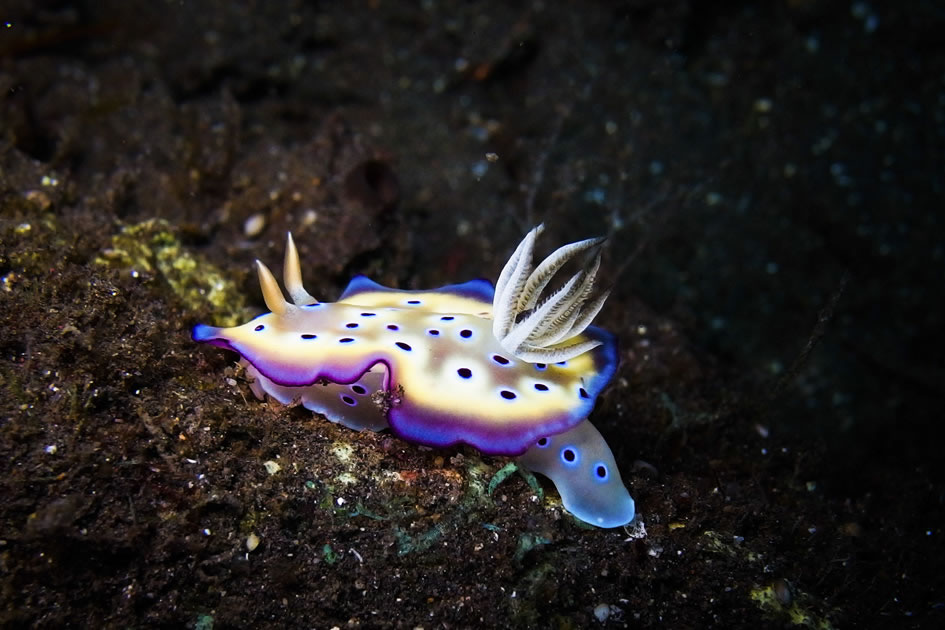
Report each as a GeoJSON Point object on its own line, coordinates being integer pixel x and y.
{"type": "Point", "coordinates": [503, 369]}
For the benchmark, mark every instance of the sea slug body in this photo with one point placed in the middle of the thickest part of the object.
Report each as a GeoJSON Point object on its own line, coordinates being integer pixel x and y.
{"type": "Point", "coordinates": [507, 370]}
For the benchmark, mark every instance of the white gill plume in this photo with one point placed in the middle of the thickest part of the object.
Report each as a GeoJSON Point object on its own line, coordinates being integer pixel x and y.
{"type": "Point", "coordinates": [541, 329]}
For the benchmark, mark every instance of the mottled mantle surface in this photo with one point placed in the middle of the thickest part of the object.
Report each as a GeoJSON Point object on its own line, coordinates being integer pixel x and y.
{"type": "Point", "coordinates": [748, 160]}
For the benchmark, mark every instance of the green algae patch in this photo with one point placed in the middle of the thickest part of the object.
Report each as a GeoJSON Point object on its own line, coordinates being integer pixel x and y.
{"type": "Point", "coordinates": [360, 510]}
{"type": "Point", "coordinates": [154, 247]}
{"type": "Point", "coordinates": [329, 555]}
{"type": "Point", "coordinates": [501, 476]}
{"type": "Point", "coordinates": [796, 610]}
{"type": "Point", "coordinates": [527, 542]}
{"type": "Point", "coordinates": [716, 543]}
{"type": "Point", "coordinates": [507, 471]}
{"type": "Point", "coordinates": [478, 490]}
{"type": "Point", "coordinates": [407, 544]}
{"type": "Point", "coordinates": [778, 599]}
{"type": "Point", "coordinates": [532, 482]}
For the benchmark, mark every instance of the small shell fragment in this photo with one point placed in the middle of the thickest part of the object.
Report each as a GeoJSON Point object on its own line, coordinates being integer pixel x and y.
{"type": "Point", "coordinates": [254, 225]}
{"type": "Point", "coordinates": [252, 541]}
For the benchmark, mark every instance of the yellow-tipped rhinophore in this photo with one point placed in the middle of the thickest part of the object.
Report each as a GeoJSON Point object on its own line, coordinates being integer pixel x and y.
{"type": "Point", "coordinates": [272, 294]}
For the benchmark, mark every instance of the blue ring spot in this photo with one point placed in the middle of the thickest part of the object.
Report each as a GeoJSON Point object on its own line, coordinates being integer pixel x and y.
{"type": "Point", "coordinates": [507, 394]}
{"type": "Point", "coordinates": [433, 331]}
{"type": "Point", "coordinates": [413, 301]}
{"type": "Point", "coordinates": [345, 340]}
{"type": "Point", "coordinates": [393, 327]}
{"type": "Point", "coordinates": [601, 474]}
{"type": "Point", "coordinates": [464, 372]}
{"type": "Point", "coordinates": [541, 366]}
{"type": "Point", "coordinates": [465, 333]}
{"type": "Point", "coordinates": [570, 456]}
{"type": "Point", "coordinates": [315, 305]}
{"type": "Point", "coordinates": [583, 393]}
{"type": "Point", "coordinates": [348, 400]}
{"type": "Point", "coordinates": [368, 314]}
{"type": "Point", "coordinates": [258, 328]}
{"type": "Point", "coordinates": [447, 318]}
{"type": "Point", "coordinates": [351, 325]}
{"type": "Point", "coordinates": [543, 443]}
{"type": "Point", "coordinates": [541, 387]}
{"type": "Point", "coordinates": [358, 389]}
{"type": "Point", "coordinates": [403, 346]}
{"type": "Point", "coordinates": [498, 358]}
{"type": "Point", "coordinates": [309, 336]}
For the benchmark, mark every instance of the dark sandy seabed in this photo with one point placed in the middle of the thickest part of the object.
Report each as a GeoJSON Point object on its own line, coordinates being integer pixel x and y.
{"type": "Point", "coordinates": [769, 174]}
